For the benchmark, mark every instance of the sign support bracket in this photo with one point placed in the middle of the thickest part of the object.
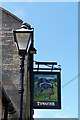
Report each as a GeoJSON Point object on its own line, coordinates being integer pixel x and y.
{"type": "Point", "coordinates": [50, 66]}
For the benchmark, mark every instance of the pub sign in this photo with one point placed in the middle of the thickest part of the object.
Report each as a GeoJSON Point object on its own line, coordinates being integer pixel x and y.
{"type": "Point", "coordinates": [47, 90]}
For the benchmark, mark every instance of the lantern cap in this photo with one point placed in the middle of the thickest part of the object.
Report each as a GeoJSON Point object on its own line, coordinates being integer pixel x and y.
{"type": "Point", "coordinates": [24, 25]}
{"type": "Point", "coordinates": [24, 28]}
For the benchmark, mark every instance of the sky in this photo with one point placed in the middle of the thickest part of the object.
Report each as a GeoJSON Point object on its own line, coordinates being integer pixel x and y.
{"type": "Point", "coordinates": [39, 0]}
{"type": "Point", "coordinates": [56, 39]}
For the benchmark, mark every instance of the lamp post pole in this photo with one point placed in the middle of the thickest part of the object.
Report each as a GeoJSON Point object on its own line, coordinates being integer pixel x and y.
{"type": "Point", "coordinates": [22, 58]}
{"type": "Point", "coordinates": [24, 40]}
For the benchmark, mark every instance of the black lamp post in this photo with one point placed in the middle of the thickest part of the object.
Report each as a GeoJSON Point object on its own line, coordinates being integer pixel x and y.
{"type": "Point", "coordinates": [24, 40]}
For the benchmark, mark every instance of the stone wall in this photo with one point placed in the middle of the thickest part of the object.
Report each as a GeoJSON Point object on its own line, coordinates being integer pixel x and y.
{"type": "Point", "coordinates": [0, 63]}
{"type": "Point", "coordinates": [9, 61]}
{"type": "Point", "coordinates": [10, 58]}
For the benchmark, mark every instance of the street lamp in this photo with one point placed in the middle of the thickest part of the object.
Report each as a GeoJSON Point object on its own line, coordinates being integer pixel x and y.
{"type": "Point", "coordinates": [24, 40]}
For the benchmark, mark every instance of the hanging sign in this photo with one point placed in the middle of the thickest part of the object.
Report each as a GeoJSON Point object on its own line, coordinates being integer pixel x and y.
{"type": "Point", "coordinates": [47, 90]}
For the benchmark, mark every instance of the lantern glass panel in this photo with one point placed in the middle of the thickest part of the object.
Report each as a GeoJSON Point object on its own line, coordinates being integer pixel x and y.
{"type": "Point", "coordinates": [22, 40]}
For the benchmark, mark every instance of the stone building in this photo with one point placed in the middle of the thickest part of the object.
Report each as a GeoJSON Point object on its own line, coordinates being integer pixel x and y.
{"type": "Point", "coordinates": [9, 64]}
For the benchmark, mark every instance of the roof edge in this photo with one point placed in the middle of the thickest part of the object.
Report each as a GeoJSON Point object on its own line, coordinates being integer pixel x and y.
{"type": "Point", "coordinates": [14, 16]}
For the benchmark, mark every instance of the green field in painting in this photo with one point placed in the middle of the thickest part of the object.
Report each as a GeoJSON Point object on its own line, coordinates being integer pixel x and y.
{"type": "Point", "coordinates": [44, 95]}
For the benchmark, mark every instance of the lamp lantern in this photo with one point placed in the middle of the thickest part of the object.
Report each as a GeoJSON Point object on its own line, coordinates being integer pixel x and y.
{"type": "Point", "coordinates": [23, 39]}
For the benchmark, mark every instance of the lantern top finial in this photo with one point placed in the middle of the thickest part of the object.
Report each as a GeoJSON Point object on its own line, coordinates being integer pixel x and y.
{"type": "Point", "coordinates": [24, 25]}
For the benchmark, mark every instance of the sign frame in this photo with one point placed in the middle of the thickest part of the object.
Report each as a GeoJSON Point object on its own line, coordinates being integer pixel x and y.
{"type": "Point", "coordinates": [47, 104]}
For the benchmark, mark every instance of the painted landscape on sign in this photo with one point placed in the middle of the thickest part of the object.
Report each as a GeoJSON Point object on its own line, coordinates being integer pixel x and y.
{"type": "Point", "coordinates": [45, 87]}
